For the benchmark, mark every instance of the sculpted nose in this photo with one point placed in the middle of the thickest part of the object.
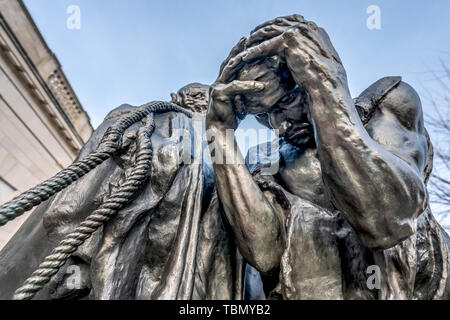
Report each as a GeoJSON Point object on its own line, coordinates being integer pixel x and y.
{"type": "Point", "coordinates": [285, 125]}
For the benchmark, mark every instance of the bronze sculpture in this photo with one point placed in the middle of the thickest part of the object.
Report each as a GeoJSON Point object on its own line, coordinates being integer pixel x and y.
{"type": "Point", "coordinates": [349, 194]}
{"type": "Point", "coordinates": [169, 242]}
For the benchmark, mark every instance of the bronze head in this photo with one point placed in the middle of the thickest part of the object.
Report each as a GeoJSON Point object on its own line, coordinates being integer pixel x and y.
{"type": "Point", "coordinates": [193, 97]}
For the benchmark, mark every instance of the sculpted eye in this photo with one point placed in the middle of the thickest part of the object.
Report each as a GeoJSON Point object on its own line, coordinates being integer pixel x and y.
{"type": "Point", "coordinates": [273, 61]}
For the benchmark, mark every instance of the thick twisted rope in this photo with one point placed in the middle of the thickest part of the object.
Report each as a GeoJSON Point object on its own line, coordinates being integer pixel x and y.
{"type": "Point", "coordinates": [52, 263]}
{"type": "Point", "coordinates": [109, 144]}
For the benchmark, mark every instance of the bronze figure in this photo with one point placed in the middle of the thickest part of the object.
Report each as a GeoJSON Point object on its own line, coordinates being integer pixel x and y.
{"type": "Point", "coordinates": [349, 196]}
{"type": "Point", "coordinates": [350, 191]}
{"type": "Point", "coordinates": [169, 242]}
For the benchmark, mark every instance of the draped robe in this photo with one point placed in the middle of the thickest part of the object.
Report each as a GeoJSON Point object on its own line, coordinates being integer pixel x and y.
{"type": "Point", "coordinates": [169, 242]}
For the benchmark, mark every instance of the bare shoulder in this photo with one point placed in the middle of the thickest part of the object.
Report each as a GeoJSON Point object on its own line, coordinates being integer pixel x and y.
{"type": "Point", "coordinates": [397, 124]}
{"type": "Point", "coordinates": [119, 111]}
{"type": "Point", "coordinates": [404, 103]}
{"type": "Point", "coordinates": [391, 94]}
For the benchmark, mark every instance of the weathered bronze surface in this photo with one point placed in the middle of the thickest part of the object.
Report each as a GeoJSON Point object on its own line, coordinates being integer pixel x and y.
{"type": "Point", "coordinates": [350, 191]}
{"type": "Point", "coordinates": [168, 243]}
{"type": "Point", "coordinates": [349, 194]}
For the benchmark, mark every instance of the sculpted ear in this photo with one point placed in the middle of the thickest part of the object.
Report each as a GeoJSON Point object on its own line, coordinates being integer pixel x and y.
{"type": "Point", "coordinates": [174, 97]}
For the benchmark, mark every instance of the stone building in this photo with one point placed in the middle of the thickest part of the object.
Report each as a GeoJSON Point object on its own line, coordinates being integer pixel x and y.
{"type": "Point", "coordinates": [42, 124]}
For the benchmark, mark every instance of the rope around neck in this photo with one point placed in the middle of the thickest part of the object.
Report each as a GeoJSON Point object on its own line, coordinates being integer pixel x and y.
{"type": "Point", "coordinates": [58, 257]}
{"type": "Point", "coordinates": [109, 144]}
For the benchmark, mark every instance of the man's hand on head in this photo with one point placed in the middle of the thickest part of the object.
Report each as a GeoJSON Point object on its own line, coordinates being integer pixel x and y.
{"type": "Point", "coordinates": [306, 48]}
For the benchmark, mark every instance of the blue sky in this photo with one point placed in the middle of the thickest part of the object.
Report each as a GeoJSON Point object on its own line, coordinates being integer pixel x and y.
{"type": "Point", "coordinates": [136, 51]}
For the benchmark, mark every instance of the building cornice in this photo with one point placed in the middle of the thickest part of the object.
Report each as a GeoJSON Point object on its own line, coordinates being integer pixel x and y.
{"type": "Point", "coordinates": [53, 109]}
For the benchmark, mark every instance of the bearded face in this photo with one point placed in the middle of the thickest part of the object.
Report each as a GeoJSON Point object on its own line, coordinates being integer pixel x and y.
{"type": "Point", "coordinates": [193, 97]}
{"type": "Point", "coordinates": [282, 105]}
{"type": "Point", "coordinates": [292, 118]}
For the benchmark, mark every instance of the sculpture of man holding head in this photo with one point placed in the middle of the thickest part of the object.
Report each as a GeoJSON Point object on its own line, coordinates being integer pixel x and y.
{"type": "Point", "coordinates": [350, 193]}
